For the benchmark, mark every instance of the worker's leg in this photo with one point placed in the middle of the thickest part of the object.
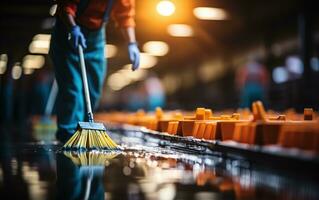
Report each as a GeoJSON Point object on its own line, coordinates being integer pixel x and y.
{"type": "Point", "coordinates": [70, 104]}
{"type": "Point", "coordinates": [95, 64]}
{"type": "Point", "coordinates": [245, 98]}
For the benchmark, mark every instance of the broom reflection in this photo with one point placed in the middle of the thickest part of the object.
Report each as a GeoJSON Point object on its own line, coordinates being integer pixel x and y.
{"type": "Point", "coordinates": [80, 175]}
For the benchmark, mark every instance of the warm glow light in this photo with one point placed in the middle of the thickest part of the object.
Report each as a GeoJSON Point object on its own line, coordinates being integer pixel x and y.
{"type": "Point", "coordinates": [132, 75]}
{"type": "Point", "coordinates": [180, 30]}
{"type": "Point", "coordinates": [208, 13]}
{"type": "Point", "coordinates": [117, 81]}
{"type": "Point", "coordinates": [40, 44]}
{"type": "Point", "coordinates": [146, 61]}
{"type": "Point", "coordinates": [156, 48]}
{"type": "Point", "coordinates": [124, 77]}
{"type": "Point", "coordinates": [39, 47]}
{"type": "Point", "coordinates": [16, 71]}
{"type": "Point", "coordinates": [165, 8]}
{"type": "Point", "coordinates": [3, 67]}
{"type": "Point", "coordinates": [28, 71]}
{"type": "Point", "coordinates": [110, 51]}
{"type": "Point", "coordinates": [3, 63]}
{"type": "Point", "coordinates": [33, 61]}
{"type": "Point", "coordinates": [44, 37]}
{"type": "Point", "coordinates": [4, 57]}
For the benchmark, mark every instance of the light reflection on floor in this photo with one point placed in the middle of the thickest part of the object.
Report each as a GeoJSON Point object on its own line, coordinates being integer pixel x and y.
{"type": "Point", "coordinates": [144, 170]}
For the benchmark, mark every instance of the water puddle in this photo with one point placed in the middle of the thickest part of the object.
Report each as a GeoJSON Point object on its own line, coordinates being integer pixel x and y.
{"type": "Point", "coordinates": [145, 169]}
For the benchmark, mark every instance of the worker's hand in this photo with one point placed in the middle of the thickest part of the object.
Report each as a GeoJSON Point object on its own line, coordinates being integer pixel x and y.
{"type": "Point", "coordinates": [134, 55]}
{"type": "Point", "coordinates": [77, 38]}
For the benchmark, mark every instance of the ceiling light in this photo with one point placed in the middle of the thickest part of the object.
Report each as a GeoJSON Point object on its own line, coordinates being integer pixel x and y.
{"type": "Point", "coordinates": [33, 61]}
{"type": "Point", "coordinates": [180, 30]}
{"type": "Point", "coordinates": [165, 8]}
{"type": "Point", "coordinates": [209, 13]}
{"type": "Point", "coordinates": [156, 48]}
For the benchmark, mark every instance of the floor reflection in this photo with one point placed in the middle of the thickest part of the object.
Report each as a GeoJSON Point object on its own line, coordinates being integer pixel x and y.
{"type": "Point", "coordinates": [144, 170]}
{"type": "Point", "coordinates": [25, 173]}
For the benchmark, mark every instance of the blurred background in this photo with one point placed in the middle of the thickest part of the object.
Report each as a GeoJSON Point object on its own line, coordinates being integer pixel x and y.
{"type": "Point", "coordinates": [210, 53]}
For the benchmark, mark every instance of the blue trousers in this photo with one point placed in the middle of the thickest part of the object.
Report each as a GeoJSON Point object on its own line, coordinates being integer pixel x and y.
{"type": "Point", "coordinates": [70, 101]}
{"type": "Point", "coordinates": [251, 92]}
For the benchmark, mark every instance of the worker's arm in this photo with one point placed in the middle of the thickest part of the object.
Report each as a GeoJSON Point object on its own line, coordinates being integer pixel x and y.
{"type": "Point", "coordinates": [123, 13]}
{"type": "Point", "coordinates": [68, 20]}
{"type": "Point", "coordinates": [133, 51]}
{"type": "Point", "coordinates": [66, 12]}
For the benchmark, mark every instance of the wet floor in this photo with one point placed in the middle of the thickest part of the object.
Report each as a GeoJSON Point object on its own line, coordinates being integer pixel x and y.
{"type": "Point", "coordinates": [147, 168]}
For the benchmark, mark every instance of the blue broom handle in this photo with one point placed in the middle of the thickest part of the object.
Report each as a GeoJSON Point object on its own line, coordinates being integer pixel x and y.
{"type": "Point", "coordinates": [85, 85]}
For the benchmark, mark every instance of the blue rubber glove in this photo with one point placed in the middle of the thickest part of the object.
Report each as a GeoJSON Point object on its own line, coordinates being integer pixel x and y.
{"type": "Point", "coordinates": [77, 38]}
{"type": "Point", "coordinates": [134, 55]}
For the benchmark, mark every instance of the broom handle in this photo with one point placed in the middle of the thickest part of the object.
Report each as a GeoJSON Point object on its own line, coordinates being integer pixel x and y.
{"type": "Point", "coordinates": [51, 99]}
{"type": "Point", "coordinates": [85, 85]}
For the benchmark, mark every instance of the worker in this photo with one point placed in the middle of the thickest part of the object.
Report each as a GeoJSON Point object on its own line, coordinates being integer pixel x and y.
{"type": "Point", "coordinates": [252, 81]}
{"type": "Point", "coordinates": [82, 22]}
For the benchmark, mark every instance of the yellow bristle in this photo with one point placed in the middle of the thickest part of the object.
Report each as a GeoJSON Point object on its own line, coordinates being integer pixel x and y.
{"type": "Point", "coordinates": [88, 139]}
{"type": "Point", "coordinates": [72, 139]}
{"type": "Point", "coordinates": [90, 158]}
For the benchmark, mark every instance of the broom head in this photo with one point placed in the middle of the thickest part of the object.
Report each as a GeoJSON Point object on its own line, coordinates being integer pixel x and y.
{"type": "Point", "coordinates": [90, 136]}
{"type": "Point", "coordinates": [90, 158]}
{"type": "Point", "coordinates": [91, 162]}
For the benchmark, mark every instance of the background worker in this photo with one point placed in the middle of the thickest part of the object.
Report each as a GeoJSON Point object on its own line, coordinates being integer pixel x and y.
{"type": "Point", "coordinates": [82, 22]}
{"type": "Point", "coordinates": [252, 80]}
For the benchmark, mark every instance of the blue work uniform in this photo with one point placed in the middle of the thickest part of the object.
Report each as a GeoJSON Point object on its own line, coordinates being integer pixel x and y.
{"type": "Point", "coordinates": [70, 100]}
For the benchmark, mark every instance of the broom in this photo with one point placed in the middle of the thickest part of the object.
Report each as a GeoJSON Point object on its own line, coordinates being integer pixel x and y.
{"type": "Point", "coordinates": [89, 135]}
{"type": "Point", "coordinates": [90, 164]}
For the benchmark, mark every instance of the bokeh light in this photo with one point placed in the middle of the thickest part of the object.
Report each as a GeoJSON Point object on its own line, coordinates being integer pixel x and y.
{"type": "Point", "coordinates": [280, 75]}
{"type": "Point", "coordinates": [33, 61]}
{"type": "Point", "coordinates": [110, 50]}
{"type": "Point", "coordinates": [156, 48]}
{"type": "Point", "coordinates": [40, 44]}
{"type": "Point", "coordinates": [3, 63]}
{"type": "Point", "coordinates": [180, 30]}
{"type": "Point", "coordinates": [165, 8]}
{"type": "Point", "coordinates": [16, 71]}
{"type": "Point", "coordinates": [209, 13]}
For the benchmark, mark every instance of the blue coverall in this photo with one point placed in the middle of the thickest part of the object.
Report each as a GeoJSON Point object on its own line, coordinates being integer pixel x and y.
{"type": "Point", "coordinates": [70, 101]}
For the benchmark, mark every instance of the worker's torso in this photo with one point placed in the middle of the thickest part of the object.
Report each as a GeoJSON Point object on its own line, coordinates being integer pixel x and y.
{"type": "Point", "coordinates": [93, 13]}
{"type": "Point", "coordinates": [254, 73]}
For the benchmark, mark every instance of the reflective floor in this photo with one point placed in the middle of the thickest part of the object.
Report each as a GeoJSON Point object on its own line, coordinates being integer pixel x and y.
{"type": "Point", "coordinates": [147, 168]}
